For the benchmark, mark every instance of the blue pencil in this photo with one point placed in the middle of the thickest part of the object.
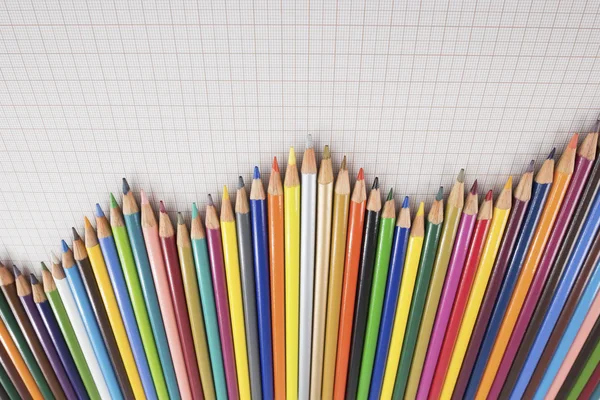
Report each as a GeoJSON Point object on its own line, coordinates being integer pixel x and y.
{"type": "Point", "coordinates": [113, 265]}
{"type": "Point", "coordinates": [576, 260]}
{"type": "Point", "coordinates": [534, 211]}
{"type": "Point", "coordinates": [87, 314]}
{"type": "Point", "coordinates": [401, 234]}
{"type": "Point", "coordinates": [132, 215]}
{"type": "Point", "coordinates": [258, 212]}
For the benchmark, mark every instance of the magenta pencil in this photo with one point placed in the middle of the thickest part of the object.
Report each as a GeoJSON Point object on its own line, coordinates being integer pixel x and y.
{"type": "Point", "coordinates": [455, 267]}
{"type": "Point", "coordinates": [215, 253]}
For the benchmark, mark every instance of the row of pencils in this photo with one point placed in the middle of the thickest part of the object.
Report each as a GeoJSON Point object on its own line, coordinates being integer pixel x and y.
{"type": "Point", "coordinates": [314, 289]}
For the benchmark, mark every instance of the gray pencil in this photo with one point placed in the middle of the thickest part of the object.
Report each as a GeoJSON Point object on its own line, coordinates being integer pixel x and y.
{"type": "Point", "coordinates": [244, 237]}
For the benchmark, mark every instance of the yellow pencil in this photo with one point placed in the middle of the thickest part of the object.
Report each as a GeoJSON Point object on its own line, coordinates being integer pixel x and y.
{"type": "Point", "coordinates": [291, 209]}
{"type": "Point", "coordinates": [234, 290]}
{"type": "Point", "coordinates": [112, 308]}
{"type": "Point", "coordinates": [413, 256]}
{"type": "Point", "coordinates": [492, 244]}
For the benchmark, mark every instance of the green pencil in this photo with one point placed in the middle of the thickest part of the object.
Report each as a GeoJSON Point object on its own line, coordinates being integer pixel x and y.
{"type": "Point", "coordinates": [17, 335]}
{"type": "Point", "coordinates": [382, 261]}
{"type": "Point", "coordinates": [7, 386]}
{"type": "Point", "coordinates": [134, 288]}
{"type": "Point", "coordinates": [585, 373]}
{"type": "Point", "coordinates": [69, 334]}
{"type": "Point", "coordinates": [433, 231]}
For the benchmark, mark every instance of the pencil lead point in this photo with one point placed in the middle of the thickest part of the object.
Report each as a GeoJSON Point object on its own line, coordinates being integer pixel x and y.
{"type": "Point", "coordinates": [551, 155]}
{"type": "Point", "coordinates": [361, 175]}
{"type": "Point", "coordinates": [405, 202]}
{"type": "Point", "coordinates": [309, 141]}
{"type": "Point", "coordinates": [126, 187]}
{"type": "Point", "coordinates": [143, 197]}
{"type": "Point", "coordinates": [421, 210]}
{"type": "Point", "coordinates": [75, 234]}
{"type": "Point", "coordinates": [180, 219]}
{"type": "Point", "coordinates": [16, 271]}
{"type": "Point", "coordinates": [375, 183]}
{"type": "Point", "coordinates": [292, 156]}
{"type": "Point", "coordinates": [194, 211]}
{"type": "Point", "coordinates": [461, 176]}
{"type": "Point", "coordinates": [65, 246]}
{"type": "Point", "coordinates": [326, 153]}
{"type": "Point", "coordinates": [530, 167]}
{"type": "Point", "coordinates": [474, 187]}
{"type": "Point", "coordinates": [343, 166]}
{"type": "Point", "coordinates": [240, 182]}
{"type": "Point", "coordinates": [275, 165]}
{"type": "Point", "coordinates": [54, 258]}
{"type": "Point", "coordinates": [161, 207]}
{"type": "Point", "coordinates": [489, 195]}
{"type": "Point", "coordinates": [573, 141]}
{"type": "Point", "coordinates": [209, 200]}
{"type": "Point", "coordinates": [390, 194]}
{"type": "Point", "coordinates": [99, 212]}
{"type": "Point", "coordinates": [225, 193]}
{"type": "Point", "coordinates": [43, 265]}
{"type": "Point", "coordinates": [113, 201]}
{"type": "Point", "coordinates": [508, 184]}
{"type": "Point", "coordinates": [256, 174]}
{"type": "Point", "coordinates": [33, 280]}
{"type": "Point", "coordinates": [440, 194]}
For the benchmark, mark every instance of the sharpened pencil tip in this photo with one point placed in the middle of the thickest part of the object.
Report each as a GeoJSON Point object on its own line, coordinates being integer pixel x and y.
{"type": "Point", "coordinates": [405, 202]}
{"type": "Point", "coordinates": [180, 219]}
{"type": "Point", "coordinates": [225, 193]}
{"type": "Point", "coordinates": [33, 280]}
{"type": "Point", "coordinates": [256, 174]}
{"type": "Point", "coordinates": [326, 153]}
{"type": "Point", "coordinates": [390, 194]}
{"type": "Point", "coordinates": [113, 201]}
{"type": "Point", "coordinates": [99, 212]}
{"type": "Point", "coordinates": [65, 246]}
{"type": "Point", "coordinates": [343, 166]}
{"type": "Point", "coordinates": [16, 271]}
{"type": "Point", "coordinates": [240, 182]}
{"type": "Point", "coordinates": [421, 210]}
{"type": "Point", "coordinates": [440, 194]}
{"type": "Point", "coordinates": [54, 258]}
{"type": "Point", "coordinates": [551, 155]}
{"type": "Point", "coordinates": [87, 222]}
{"type": "Point", "coordinates": [573, 141]}
{"type": "Point", "coordinates": [292, 156]}
{"type": "Point", "coordinates": [161, 207]}
{"type": "Point", "coordinates": [194, 211]}
{"type": "Point", "coordinates": [474, 187]}
{"type": "Point", "coordinates": [489, 195]}
{"type": "Point", "coordinates": [508, 184]}
{"type": "Point", "coordinates": [209, 200]}
{"type": "Point", "coordinates": [126, 187]}
{"type": "Point", "coordinates": [75, 234]}
{"type": "Point", "coordinates": [530, 167]}
{"type": "Point", "coordinates": [309, 141]}
{"type": "Point", "coordinates": [361, 175]}
{"type": "Point", "coordinates": [375, 183]}
{"type": "Point", "coordinates": [43, 265]}
{"type": "Point", "coordinates": [461, 176]}
{"type": "Point", "coordinates": [143, 197]}
{"type": "Point", "coordinates": [275, 165]}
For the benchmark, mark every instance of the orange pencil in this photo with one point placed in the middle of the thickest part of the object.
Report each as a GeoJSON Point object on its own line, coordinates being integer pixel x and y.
{"type": "Point", "coordinates": [277, 264]}
{"type": "Point", "coordinates": [356, 221]}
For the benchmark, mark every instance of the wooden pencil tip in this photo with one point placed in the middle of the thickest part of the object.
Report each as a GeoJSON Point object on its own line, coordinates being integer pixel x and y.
{"type": "Point", "coordinates": [474, 187]}
{"type": "Point", "coordinates": [343, 166]}
{"type": "Point", "coordinates": [361, 175]}
{"type": "Point", "coordinates": [75, 234]}
{"type": "Point", "coordinates": [99, 212]}
{"type": "Point", "coordinates": [440, 194]}
{"type": "Point", "coordinates": [33, 280]}
{"type": "Point", "coordinates": [240, 182]}
{"type": "Point", "coordinates": [225, 193]}
{"type": "Point", "coordinates": [256, 174]}
{"type": "Point", "coordinates": [16, 271]}
{"type": "Point", "coordinates": [421, 210]}
{"type": "Point", "coordinates": [161, 207]}
{"type": "Point", "coordinates": [292, 156]}
{"type": "Point", "coordinates": [113, 201]}
{"type": "Point", "coordinates": [461, 176]}
{"type": "Point", "coordinates": [180, 219]}
{"type": "Point", "coordinates": [573, 141]}
{"type": "Point", "coordinates": [143, 197]}
{"type": "Point", "coordinates": [390, 194]}
{"type": "Point", "coordinates": [275, 165]}
{"type": "Point", "coordinates": [194, 211]}
{"type": "Point", "coordinates": [309, 141]}
{"type": "Point", "coordinates": [126, 187]}
{"type": "Point", "coordinates": [375, 184]}
{"type": "Point", "coordinates": [209, 200]}
{"type": "Point", "coordinates": [551, 155]}
{"type": "Point", "coordinates": [405, 203]}
{"type": "Point", "coordinates": [326, 153]}
{"type": "Point", "coordinates": [489, 195]}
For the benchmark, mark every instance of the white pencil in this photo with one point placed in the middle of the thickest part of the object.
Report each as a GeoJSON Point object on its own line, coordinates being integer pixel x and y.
{"type": "Point", "coordinates": [307, 264]}
{"type": "Point", "coordinates": [62, 285]}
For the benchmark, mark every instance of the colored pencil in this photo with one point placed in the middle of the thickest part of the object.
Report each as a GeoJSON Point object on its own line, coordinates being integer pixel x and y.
{"type": "Point", "coordinates": [133, 222]}
{"type": "Point", "coordinates": [244, 239]}
{"type": "Point", "coordinates": [125, 370]}
{"type": "Point", "coordinates": [113, 285]}
{"type": "Point", "coordinates": [433, 231]}
{"type": "Point", "coordinates": [363, 290]}
{"type": "Point", "coordinates": [10, 347]}
{"type": "Point", "coordinates": [12, 379]}
{"type": "Point", "coordinates": [339, 230]}
{"type": "Point", "coordinates": [529, 331]}
{"type": "Point", "coordinates": [307, 264]}
{"type": "Point", "coordinates": [576, 323]}
{"type": "Point", "coordinates": [454, 207]}
{"type": "Point", "coordinates": [71, 340]}
{"type": "Point", "coordinates": [234, 290]}
{"type": "Point", "coordinates": [502, 284]}
{"type": "Point", "coordinates": [453, 275]}
{"type": "Point", "coordinates": [277, 274]}
{"type": "Point", "coordinates": [163, 291]}
{"type": "Point", "coordinates": [194, 309]}
{"type": "Point", "coordinates": [74, 286]}
{"type": "Point", "coordinates": [291, 210]}
{"type": "Point", "coordinates": [324, 217]}
{"type": "Point", "coordinates": [381, 266]}
{"type": "Point", "coordinates": [390, 301]}
{"type": "Point", "coordinates": [490, 250]}
{"type": "Point", "coordinates": [217, 263]}
{"type": "Point", "coordinates": [591, 390]}
{"type": "Point", "coordinates": [356, 222]}
{"type": "Point", "coordinates": [26, 297]}
{"type": "Point", "coordinates": [584, 366]}
{"type": "Point", "coordinates": [200, 250]}
{"type": "Point", "coordinates": [49, 384]}
{"type": "Point", "coordinates": [260, 242]}
{"type": "Point", "coordinates": [116, 242]}
{"type": "Point", "coordinates": [473, 257]}
{"type": "Point", "coordinates": [168, 244]}
{"type": "Point", "coordinates": [56, 337]}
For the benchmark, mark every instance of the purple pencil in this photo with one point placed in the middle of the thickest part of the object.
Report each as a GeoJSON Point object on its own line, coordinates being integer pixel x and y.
{"type": "Point", "coordinates": [583, 166]}
{"type": "Point", "coordinates": [40, 300]}
{"type": "Point", "coordinates": [24, 293]}
{"type": "Point", "coordinates": [455, 266]}
{"type": "Point", "coordinates": [215, 252]}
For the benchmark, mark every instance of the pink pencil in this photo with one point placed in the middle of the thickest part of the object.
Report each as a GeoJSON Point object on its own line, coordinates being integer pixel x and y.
{"type": "Point", "coordinates": [457, 262]}
{"type": "Point", "coordinates": [159, 272]}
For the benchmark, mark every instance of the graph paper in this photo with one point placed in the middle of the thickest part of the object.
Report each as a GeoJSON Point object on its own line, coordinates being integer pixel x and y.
{"type": "Point", "coordinates": [181, 97]}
